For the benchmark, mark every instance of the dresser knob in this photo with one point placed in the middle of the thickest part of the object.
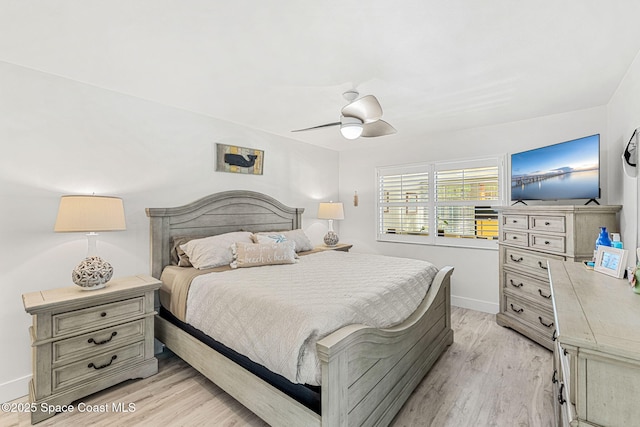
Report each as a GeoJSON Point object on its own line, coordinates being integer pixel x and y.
{"type": "Point", "coordinates": [103, 314]}
{"type": "Point", "coordinates": [517, 285]}
{"type": "Point", "coordinates": [517, 310]}
{"type": "Point", "coordinates": [91, 365]}
{"type": "Point", "coordinates": [91, 340]}
{"type": "Point", "coordinates": [543, 295]}
{"type": "Point", "coordinates": [545, 324]}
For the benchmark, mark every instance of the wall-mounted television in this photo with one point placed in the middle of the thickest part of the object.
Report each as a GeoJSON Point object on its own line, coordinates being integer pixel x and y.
{"type": "Point", "coordinates": [568, 170]}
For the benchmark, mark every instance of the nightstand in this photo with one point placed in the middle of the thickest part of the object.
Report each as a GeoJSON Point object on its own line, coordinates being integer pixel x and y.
{"type": "Point", "coordinates": [342, 247]}
{"type": "Point", "coordinates": [85, 341]}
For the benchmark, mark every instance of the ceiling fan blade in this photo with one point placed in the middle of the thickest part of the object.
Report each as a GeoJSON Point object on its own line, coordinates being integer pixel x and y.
{"type": "Point", "coordinates": [318, 127]}
{"type": "Point", "coordinates": [367, 109]}
{"type": "Point", "coordinates": [378, 128]}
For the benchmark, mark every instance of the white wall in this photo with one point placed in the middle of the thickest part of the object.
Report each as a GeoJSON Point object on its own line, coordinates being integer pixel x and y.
{"type": "Point", "coordinates": [475, 279]}
{"type": "Point", "coordinates": [623, 117]}
{"type": "Point", "coordinates": [63, 137]}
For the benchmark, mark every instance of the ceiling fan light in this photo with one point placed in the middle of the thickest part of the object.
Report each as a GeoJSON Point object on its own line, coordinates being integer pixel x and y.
{"type": "Point", "coordinates": [351, 127]}
{"type": "Point", "coordinates": [351, 131]}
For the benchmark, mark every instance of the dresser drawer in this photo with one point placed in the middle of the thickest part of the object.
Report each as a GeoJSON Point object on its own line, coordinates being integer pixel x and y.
{"type": "Point", "coordinates": [538, 318]}
{"type": "Point", "coordinates": [97, 317]}
{"type": "Point", "coordinates": [515, 221]}
{"type": "Point", "coordinates": [516, 238]}
{"type": "Point", "coordinates": [535, 289]}
{"type": "Point", "coordinates": [97, 365]}
{"type": "Point", "coordinates": [554, 224]}
{"type": "Point", "coordinates": [82, 346]}
{"type": "Point", "coordinates": [547, 243]}
{"type": "Point", "coordinates": [534, 262]}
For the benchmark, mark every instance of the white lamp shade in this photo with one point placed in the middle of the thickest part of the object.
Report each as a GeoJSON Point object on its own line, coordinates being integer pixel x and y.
{"type": "Point", "coordinates": [330, 210]}
{"type": "Point", "coordinates": [90, 214]}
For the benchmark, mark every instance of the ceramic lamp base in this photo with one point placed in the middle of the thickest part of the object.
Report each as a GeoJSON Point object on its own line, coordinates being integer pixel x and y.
{"type": "Point", "coordinates": [331, 238]}
{"type": "Point", "coordinates": [92, 273]}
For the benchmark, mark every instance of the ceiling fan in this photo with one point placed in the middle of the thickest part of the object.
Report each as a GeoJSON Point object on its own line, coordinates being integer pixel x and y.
{"type": "Point", "coordinates": [360, 117]}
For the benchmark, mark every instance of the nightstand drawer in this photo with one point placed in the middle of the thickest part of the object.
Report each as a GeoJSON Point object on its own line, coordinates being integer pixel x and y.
{"type": "Point", "coordinates": [547, 243]}
{"type": "Point", "coordinates": [554, 224]}
{"type": "Point", "coordinates": [71, 349]}
{"type": "Point", "coordinates": [96, 317]}
{"type": "Point", "coordinates": [94, 366]}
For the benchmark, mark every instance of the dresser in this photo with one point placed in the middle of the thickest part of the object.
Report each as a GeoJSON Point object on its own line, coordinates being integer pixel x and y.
{"type": "Point", "coordinates": [596, 379]}
{"type": "Point", "coordinates": [84, 341]}
{"type": "Point", "coordinates": [529, 236]}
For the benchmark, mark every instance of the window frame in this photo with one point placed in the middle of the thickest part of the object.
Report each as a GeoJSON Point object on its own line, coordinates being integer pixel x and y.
{"type": "Point", "coordinates": [431, 168]}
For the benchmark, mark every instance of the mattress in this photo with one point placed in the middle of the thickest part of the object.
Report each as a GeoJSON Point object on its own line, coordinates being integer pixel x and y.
{"type": "Point", "coordinates": [274, 315]}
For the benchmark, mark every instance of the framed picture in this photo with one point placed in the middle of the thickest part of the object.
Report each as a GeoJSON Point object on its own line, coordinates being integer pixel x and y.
{"type": "Point", "coordinates": [234, 159]}
{"type": "Point", "coordinates": [611, 261]}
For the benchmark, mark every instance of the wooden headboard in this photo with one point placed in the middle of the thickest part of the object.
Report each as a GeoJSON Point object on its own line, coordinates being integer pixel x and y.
{"type": "Point", "coordinates": [217, 214]}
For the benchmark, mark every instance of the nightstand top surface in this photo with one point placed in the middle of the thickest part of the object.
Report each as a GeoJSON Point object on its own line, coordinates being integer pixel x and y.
{"type": "Point", "coordinates": [43, 300]}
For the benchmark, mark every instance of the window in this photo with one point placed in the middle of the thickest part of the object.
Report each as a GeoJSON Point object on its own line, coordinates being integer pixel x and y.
{"type": "Point", "coordinates": [454, 210]}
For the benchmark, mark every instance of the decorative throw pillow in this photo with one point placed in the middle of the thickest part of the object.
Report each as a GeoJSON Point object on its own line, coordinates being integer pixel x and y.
{"type": "Point", "coordinates": [178, 256]}
{"type": "Point", "coordinates": [214, 251]}
{"type": "Point", "coordinates": [298, 236]}
{"type": "Point", "coordinates": [258, 254]}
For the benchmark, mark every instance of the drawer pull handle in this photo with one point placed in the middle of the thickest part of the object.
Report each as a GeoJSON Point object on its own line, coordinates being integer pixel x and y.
{"type": "Point", "coordinates": [91, 365]}
{"type": "Point", "coordinates": [517, 310]}
{"type": "Point", "coordinates": [554, 336]}
{"type": "Point", "coordinates": [553, 377]}
{"type": "Point", "coordinates": [544, 324]}
{"type": "Point", "coordinates": [103, 314]}
{"type": "Point", "coordinates": [517, 285]}
{"type": "Point", "coordinates": [91, 340]}
{"type": "Point", "coordinates": [560, 398]}
{"type": "Point", "coordinates": [543, 295]}
{"type": "Point", "coordinates": [516, 259]}
{"type": "Point", "coordinates": [515, 237]}
{"type": "Point", "coordinates": [544, 267]}
{"type": "Point", "coordinates": [514, 221]}
{"type": "Point", "coordinates": [546, 242]}
{"type": "Point", "coordinates": [547, 223]}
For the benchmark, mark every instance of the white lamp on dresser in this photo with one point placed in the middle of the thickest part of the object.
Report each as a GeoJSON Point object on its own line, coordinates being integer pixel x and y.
{"type": "Point", "coordinates": [91, 214]}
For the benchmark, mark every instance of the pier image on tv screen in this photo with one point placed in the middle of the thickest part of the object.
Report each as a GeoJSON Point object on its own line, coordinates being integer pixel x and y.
{"type": "Point", "coordinates": [568, 170]}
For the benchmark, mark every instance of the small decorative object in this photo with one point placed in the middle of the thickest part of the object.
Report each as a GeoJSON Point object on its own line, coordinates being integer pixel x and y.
{"type": "Point", "coordinates": [91, 214]}
{"type": "Point", "coordinates": [603, 238]}
{"type": "Point", "coordinates": [331, 211]}
{"type": "Point", "coordinates": [234, 159]}
{"type": "Point", "coordinates": [610, 261]}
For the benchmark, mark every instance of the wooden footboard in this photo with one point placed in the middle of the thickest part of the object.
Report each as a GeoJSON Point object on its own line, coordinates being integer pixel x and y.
{"type": "Point", "coordinates": [367, 373]}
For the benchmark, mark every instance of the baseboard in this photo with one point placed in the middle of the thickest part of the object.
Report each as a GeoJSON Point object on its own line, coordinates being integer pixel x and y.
{"type": "Point", "coordinates": [14, 389]}
{"type": "Point", "coordinates": [474, 304]}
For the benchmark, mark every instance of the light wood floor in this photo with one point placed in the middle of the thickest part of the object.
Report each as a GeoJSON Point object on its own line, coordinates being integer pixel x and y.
{"type": "Point", "coordinates": [490, 376]}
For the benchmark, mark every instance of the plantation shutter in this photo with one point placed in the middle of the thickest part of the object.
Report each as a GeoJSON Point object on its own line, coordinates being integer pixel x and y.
{"type": "Point", "coordinates": [403, 202]}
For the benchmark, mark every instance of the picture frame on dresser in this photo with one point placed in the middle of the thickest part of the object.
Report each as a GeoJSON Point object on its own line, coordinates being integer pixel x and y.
{"type": "Point", "coordinates": [611, 261]}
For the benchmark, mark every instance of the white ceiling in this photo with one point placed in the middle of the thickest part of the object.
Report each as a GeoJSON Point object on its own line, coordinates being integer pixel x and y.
{"type": "Point", "coordinates": [280, 65]}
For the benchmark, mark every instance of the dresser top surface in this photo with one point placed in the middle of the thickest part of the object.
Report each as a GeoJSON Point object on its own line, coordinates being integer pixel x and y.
{"type": "Point", "coordinates": [540, 209]}
{"type": "Point", "coordinates": [595, 311]}
{"type": "Point", "coordinates": [73, 295]}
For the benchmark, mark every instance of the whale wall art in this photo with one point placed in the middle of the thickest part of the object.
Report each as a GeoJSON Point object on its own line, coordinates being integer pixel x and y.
{"type": "Point", "coordinates": [234, 159]}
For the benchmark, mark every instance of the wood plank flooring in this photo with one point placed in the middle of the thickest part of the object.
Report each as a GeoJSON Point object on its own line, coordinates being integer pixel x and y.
{"type": "Point", "coordinates": [490, 376]}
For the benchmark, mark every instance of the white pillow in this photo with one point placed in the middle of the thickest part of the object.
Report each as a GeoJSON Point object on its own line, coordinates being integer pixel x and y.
{"type": "Point", "coordinates": [298, 236]}
{"type": "Point", "coordinates": [259, 254]}
{"type": "Point", "coordinates": [214, 251]}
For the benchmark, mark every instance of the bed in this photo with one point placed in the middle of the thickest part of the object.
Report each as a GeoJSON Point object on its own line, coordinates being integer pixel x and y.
{"type": "Point", "coordinates": [366, 373]}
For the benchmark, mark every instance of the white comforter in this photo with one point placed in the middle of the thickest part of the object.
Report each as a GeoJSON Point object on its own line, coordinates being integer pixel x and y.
{"type": "Point", "coordinates": [275, 314]}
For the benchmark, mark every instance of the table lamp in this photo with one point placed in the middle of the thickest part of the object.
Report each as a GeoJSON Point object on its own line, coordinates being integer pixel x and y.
{"type": "Point", "coordinates": [331, 211]}
{"type": "Point", "coordinates": [91, 214]}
